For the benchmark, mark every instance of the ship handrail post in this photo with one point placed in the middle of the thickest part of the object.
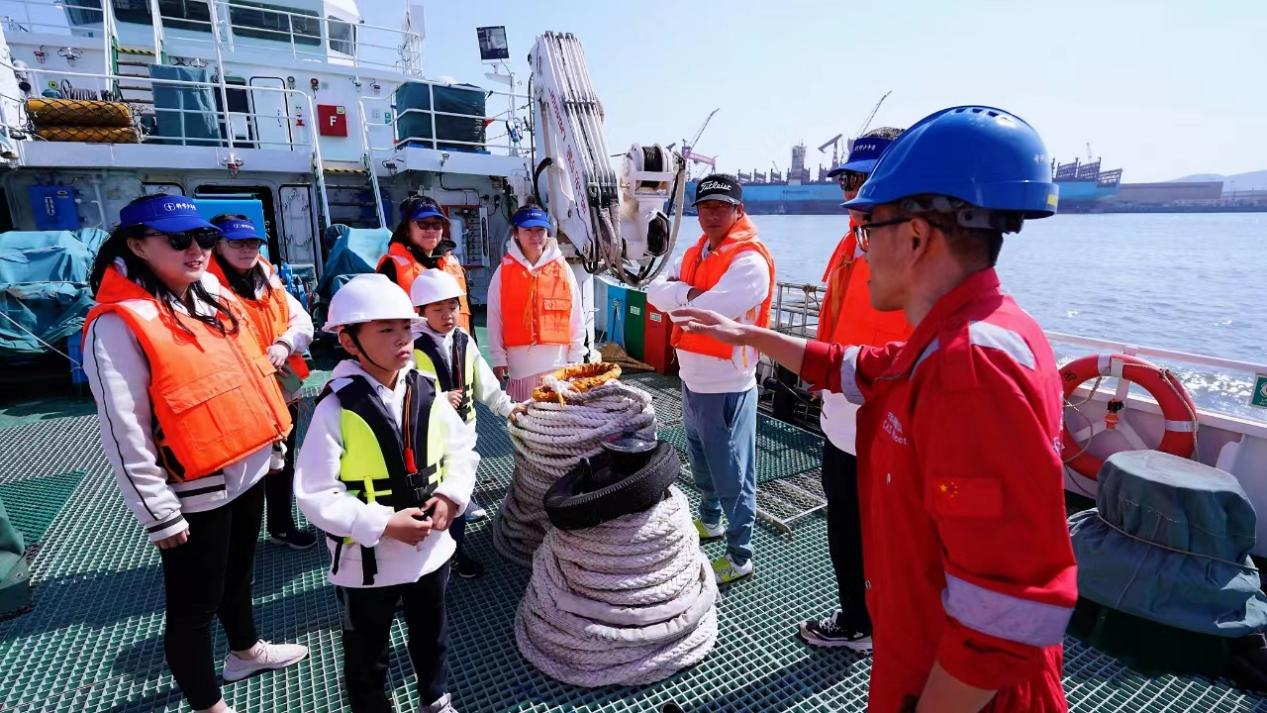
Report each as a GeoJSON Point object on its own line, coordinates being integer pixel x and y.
{"type": "Point", "coordinates": [319, 170]}
{"type": "Point", "coordinates": [224, 87]}
{"type": "Point", "coordinates": [367, 155]}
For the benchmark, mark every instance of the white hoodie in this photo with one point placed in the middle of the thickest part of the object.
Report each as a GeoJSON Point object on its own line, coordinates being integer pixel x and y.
{"type": "Point", "coordinates": [324, 499]}
{"type": "Point", "coordinates": [119, 376]}
{"type": "Point", "coordinates": [743, 287]}
{"type": "Point", "coordinates": [488, 389]}
{"type": "Point", "coordinates": [535, 358]}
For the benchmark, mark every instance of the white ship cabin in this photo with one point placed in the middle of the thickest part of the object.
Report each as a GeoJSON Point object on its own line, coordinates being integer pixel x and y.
{"type": "Point", "coordinates": [297, 104]}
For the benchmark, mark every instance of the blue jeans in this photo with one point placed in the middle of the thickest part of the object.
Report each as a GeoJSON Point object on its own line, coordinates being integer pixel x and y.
{"type": "Point", "coordinates": [721, 439]}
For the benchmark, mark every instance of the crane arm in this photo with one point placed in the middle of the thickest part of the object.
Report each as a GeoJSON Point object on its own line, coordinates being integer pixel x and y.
{"type": "Point", "coordinates": [614, 219]}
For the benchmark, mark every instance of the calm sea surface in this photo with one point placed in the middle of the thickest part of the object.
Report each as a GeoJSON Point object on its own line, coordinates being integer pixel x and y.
{"type": "Point", "coordinates": [1191, 282]}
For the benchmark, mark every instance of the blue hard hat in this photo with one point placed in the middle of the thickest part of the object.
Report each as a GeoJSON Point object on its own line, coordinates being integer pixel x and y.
{"type": "Point", "coordinates": [167, 214]}
{"type": "Point", "coordinates": [531, 217]}
{"type": "Point", "coordinates": [987, 157]}
{"type": "Point", "coordinates": [237, 229]}
{"type": "Point", "coordinates": [862, 157]}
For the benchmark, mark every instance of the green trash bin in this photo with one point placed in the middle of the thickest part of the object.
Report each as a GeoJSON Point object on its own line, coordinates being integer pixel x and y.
{"type": "Point", "coordinates": [15, 577]}
{"type": "Point", "coordinates": [636, 324]}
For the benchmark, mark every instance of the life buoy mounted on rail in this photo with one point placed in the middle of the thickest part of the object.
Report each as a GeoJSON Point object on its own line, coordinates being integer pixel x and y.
{"type": "Point", "coordinates": [1177, 408]}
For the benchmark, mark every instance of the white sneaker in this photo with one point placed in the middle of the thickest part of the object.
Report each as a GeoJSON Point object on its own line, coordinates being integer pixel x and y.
{"type": "Point", "coordinates": [444, 705]}
{"type": "Point", "coordinates": [475, 511]}
{"type": "Point", "coordinates": [266, 657]}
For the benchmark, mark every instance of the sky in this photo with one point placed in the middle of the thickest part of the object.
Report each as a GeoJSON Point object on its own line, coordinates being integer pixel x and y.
{"type": "Point", "coordinates": [1160, 88]}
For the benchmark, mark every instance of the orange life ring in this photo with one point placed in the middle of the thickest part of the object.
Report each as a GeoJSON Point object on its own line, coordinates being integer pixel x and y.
{"type": "Point", "coordinates": [1176, 405]}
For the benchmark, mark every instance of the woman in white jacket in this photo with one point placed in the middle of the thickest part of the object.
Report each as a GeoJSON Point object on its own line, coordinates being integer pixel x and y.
{"type": "Point", "coordinates": [285, 331]}
{"type": "Point", "coordinates": [535, 323]}
{"type": "Point", "coordinates": [189, 411]}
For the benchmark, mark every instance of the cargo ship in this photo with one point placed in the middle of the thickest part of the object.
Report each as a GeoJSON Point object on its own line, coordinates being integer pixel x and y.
{"type": "Point", "coordinates": [796, 192]}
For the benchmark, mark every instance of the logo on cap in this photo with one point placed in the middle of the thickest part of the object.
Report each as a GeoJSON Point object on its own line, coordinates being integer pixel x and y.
{"type": "Point", "coordinates": [714, 185]}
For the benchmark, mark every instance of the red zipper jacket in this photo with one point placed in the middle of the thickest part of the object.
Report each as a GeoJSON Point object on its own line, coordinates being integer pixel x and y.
{"type": "Point", "coordinates": [968, 560]}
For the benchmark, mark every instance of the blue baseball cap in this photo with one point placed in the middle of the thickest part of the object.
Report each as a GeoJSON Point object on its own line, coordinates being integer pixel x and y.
{"type": "Point", "coordinates": [168, 214]}
{"type": "Point", "coordinates": [427, 209]}
{"type": "Point", "coordinates": [531, 217]}
{"type": "Point", "coordinates": [866, 151]}
{"type": "Point", "coordinates": [238, 229]}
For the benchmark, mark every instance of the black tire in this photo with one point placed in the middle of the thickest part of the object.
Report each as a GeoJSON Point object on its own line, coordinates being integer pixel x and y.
{"type": "Point", "coordinates": [571, 509]}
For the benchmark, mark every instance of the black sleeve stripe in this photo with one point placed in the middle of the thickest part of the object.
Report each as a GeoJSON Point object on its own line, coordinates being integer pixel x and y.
{"type": "Point", "coordinates": [166, 523]}
{"type": "Point", "coordinates": [200, 491]}
{"type": "Point", "coordinates": [105, 402]}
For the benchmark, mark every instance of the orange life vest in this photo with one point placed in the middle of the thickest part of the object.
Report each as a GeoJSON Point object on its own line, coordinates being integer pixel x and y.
{"type": "Point", "coordinates": [214, 396]}
{"type": "Point", "coordinates": [704, 273]}
{"type": "Point", "coordinates": [847, 316]}
{"type": "Point", "coordinates": [536, 305]}
{"type": "Point", "coordinates": [269, 315]}
{"type": "Point", "coordinates": [408, 269]}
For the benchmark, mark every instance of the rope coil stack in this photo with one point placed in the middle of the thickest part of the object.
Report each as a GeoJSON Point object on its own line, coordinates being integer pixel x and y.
{"type": "Point", "coordinates": [617, 599]}
{"type": "Point", "coordinates": [549, 440]}
{"type": "Point", "coordinates": [628, 602]}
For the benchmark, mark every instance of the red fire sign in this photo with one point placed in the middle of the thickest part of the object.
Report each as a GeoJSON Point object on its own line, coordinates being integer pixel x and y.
{"type": "Point", "coordinates": [332, 120]}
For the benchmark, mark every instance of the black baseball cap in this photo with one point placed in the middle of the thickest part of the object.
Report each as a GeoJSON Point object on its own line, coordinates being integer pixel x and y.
{"type": "Point", "coordinates": [719, 187]}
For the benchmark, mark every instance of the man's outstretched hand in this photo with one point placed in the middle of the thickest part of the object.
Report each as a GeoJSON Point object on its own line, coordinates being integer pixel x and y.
{"type": "Point", "coordinates": [710, 324]}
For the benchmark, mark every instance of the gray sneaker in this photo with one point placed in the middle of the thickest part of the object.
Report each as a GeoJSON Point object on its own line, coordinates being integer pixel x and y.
{"type": "Point", "coordinates": [266, 657]}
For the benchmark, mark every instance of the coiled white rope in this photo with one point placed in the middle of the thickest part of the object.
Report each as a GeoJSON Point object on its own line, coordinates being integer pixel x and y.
{"type": "Point", "coordinates": [550, 439]}
{"type": "Point", "coordinates": [628, 602]}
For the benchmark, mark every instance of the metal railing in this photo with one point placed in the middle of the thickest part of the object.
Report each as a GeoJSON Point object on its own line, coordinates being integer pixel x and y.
{"type": "Point", "coordinates": [310, 37]}
{"type": "Point", "coordinates": [374, 144]}
{"type": "Point", "coordinates": [795, 311]}
{"type": "Point", "coordinates": [226, 121]}
{"type": "Point", "coordinates": [44, 17]}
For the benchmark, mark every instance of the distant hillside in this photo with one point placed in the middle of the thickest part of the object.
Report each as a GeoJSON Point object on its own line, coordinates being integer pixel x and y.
{"type": "Point", "coordinates": [1251, 181]}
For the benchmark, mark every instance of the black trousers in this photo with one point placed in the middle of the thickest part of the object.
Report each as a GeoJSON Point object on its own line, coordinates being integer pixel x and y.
{"type": "Point", "coordinates": [279, 486]}
{"type": "Point", "coordinates": [210, 576]}
{"type": "Point", "coordinates": [367, 622]}
{"type": "Point", "coordinates": [844, 535]}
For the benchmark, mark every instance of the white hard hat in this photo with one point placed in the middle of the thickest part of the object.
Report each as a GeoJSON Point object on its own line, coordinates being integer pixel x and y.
{"type": "Point", "coordinates": [366, 298]}
{"type": "Point", "coordinates": [433, 286]}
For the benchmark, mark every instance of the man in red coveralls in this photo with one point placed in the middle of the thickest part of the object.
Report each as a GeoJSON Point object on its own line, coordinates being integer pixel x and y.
{"type": "Point", "coordinates": [970, 574]}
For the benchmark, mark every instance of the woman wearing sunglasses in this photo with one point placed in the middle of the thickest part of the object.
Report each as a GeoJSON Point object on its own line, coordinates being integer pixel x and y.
{"type": "Point", "coordinates": [189, 410]}
{"type": "Point", "coordinates": [285, 331]}
{"type": "Point", "coordinates": [419, 243]}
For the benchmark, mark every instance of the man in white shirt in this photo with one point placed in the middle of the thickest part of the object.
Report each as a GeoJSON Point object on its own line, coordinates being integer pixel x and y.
{"type": "Point", "coordinates": [730, 271]}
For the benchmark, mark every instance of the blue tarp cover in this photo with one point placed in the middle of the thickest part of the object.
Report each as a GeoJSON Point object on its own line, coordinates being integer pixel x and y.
{"type": "Point", "coordinates": [355, 251]}
{"type": "Point", "coordinates": [44, 286]}
{"type": "Point", "coordinates": [1169, 540]}
{"type": "Point", "coordinates": [190, 116]}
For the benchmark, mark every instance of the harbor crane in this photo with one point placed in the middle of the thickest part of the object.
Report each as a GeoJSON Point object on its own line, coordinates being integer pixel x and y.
{"type": "Point", "coordinates": [834, 143]}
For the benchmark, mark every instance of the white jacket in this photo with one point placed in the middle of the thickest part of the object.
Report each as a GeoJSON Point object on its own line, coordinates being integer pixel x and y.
{"type": "Point", "coordinates": [488, 389]}
{"type": "Point", "coordinates": [535, 358]}
{"type": "Point", "coordinates": [299, 329]}
{"type": "Point", "coordinates": [324, 499]}
{"type": "Point", "coordinates": [119, 376]}
{"type": "Point", "coordinates": [742, 287]}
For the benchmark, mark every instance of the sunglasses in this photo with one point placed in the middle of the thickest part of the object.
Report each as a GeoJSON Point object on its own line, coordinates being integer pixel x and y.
{"type": "Point", "coordinates": [429, 224]}
{"type": "Point", "coordinates": [180, 242]}
{"type": "Point", "coordinates": [246, 246]}
{"type": "Point", "coordinates": [851, 180]}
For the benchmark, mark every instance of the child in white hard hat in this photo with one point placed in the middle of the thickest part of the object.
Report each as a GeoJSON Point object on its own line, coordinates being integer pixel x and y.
{"type": "Point", "coordinates": [386, 467]}
{"type": "Point", "coordinates": [446, 352]}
